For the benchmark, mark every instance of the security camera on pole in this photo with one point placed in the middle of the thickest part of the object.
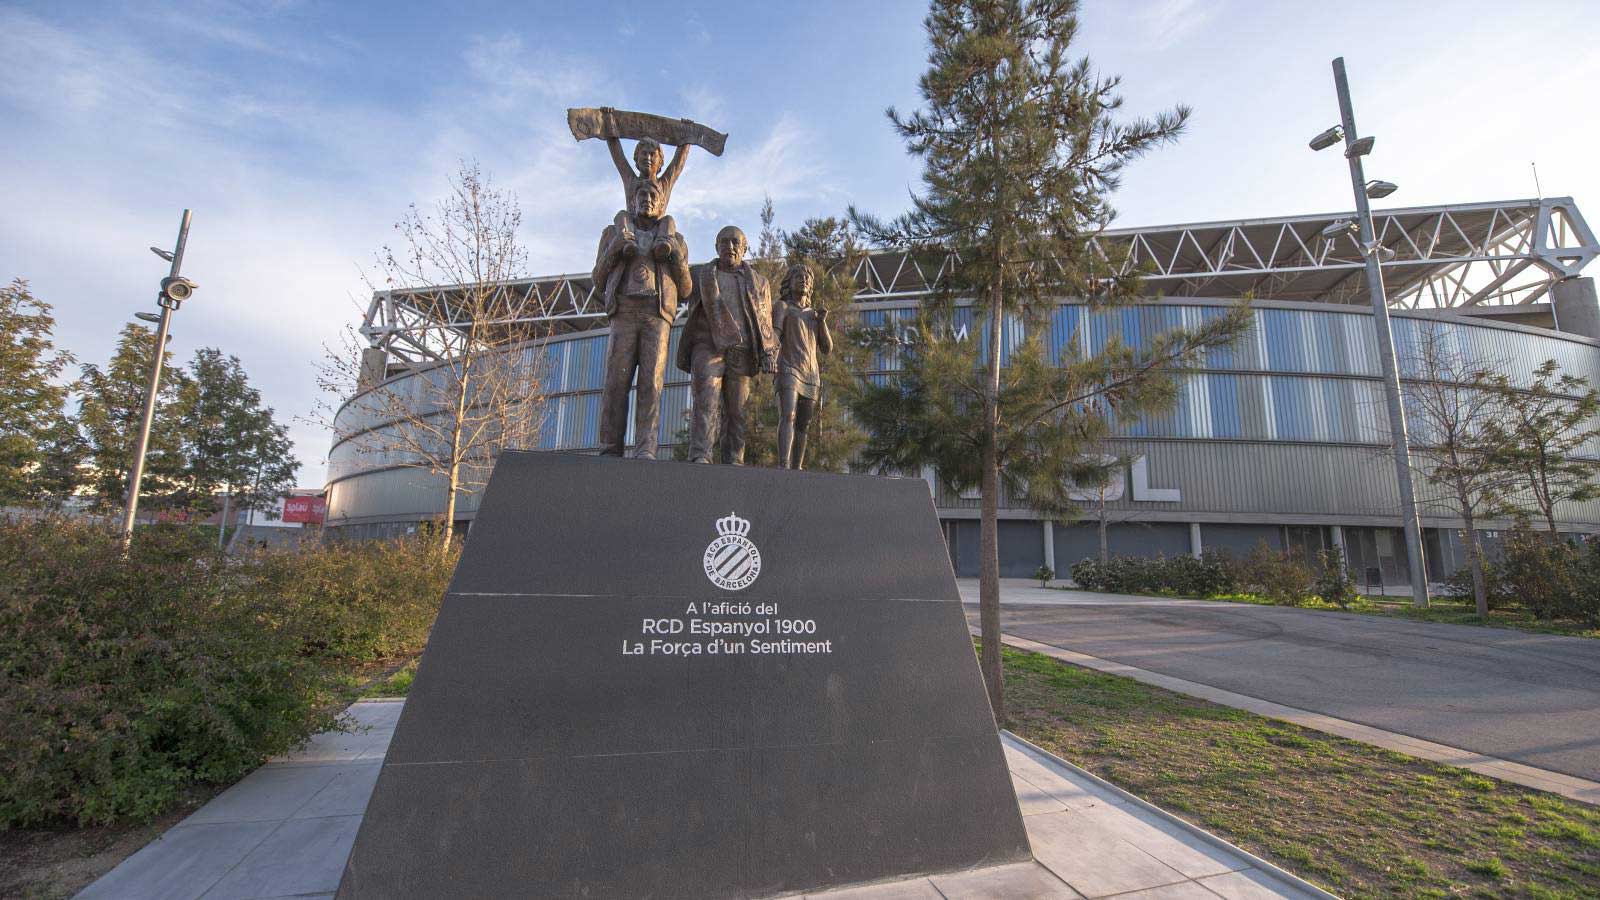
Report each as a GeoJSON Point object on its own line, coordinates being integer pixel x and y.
{"type": "Point", "coordinates": [1375, 255]}
{"type": "Point", "coordinates": [174, 290]}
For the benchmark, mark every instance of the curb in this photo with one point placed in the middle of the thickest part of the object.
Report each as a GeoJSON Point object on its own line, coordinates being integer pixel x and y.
{"type": "Point", "coordinates": [1267, 868]}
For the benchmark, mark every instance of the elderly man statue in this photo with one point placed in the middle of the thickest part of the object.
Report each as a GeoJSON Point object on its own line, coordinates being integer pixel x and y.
{"type": "Point", "coordinates": [802, 333]}
{"type": "Point", "coordinates": [727, 340]}
{"type": "Point", "coordinates": [643, 270]}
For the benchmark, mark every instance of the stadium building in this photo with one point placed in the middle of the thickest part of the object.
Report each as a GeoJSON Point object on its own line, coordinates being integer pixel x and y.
{"type": "Point", "coordinates": [1280, 439]}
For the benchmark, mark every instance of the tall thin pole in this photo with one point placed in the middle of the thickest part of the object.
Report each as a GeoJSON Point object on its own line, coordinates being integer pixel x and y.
{"type": "Point", "coordinates": [1391, 375]}
{"type": "Point", "coordinates": [136, 473]}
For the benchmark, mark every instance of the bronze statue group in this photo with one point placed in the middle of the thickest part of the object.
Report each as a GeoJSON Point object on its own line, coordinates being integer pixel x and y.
{"type": "Point", "coordinates": [733, 333]}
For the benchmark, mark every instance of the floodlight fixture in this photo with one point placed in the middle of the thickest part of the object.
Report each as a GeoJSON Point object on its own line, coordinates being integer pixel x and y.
{"type": "Point", "coordinates": [1384, 254]}
{"type": "Point", "coordinates": [174, 290]}
{"type": "Point", "coordinates": [1361, 147]}
{"type": "Point", "coordinates": [164, 254]}
{"type": "Point", "coordinates": [152, 318]}
{"type": "Point", "coordinates": [1328, 138]}
{"type": "Point", "coordinates": [1342, 226]}
{"type": "Point", "coordinates": [1377, 190]}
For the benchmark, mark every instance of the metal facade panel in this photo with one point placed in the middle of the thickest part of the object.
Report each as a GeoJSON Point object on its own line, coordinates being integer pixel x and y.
{"type": "Point", "coordinates": [1081, 540]}
{"type": "Point", "coordinates": [1244, 478]}
{"type": "Point", "coordinates": [674, 414]}
{"type": "Point", "coordinates": [1302, 375]}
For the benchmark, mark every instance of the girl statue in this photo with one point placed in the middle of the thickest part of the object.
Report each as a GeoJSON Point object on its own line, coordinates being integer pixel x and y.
{"type": "Point", "coordinates": [802, 332]}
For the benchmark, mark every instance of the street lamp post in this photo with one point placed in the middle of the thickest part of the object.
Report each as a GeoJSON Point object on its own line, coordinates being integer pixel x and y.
{"type": "Point", "coordinates": [1373, 251]}
{"type": "Point", "coordinates": [174, 290]}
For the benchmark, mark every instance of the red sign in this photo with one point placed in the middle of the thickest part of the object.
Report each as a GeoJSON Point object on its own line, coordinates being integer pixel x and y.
{"type": "Point", "coordinates": [309, 510]}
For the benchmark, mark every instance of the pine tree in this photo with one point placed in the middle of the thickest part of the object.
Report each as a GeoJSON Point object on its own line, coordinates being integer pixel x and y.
{"type": "Point", "coordinates": [32, 404]}
{"type": "Point", "coordinates": [1020, 151]}
{"type": "Point", "coordinates": [110, 409]}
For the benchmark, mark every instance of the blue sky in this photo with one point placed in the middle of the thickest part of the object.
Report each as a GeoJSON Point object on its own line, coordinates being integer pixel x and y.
{"type": "Point", "coordinates": [300, 131]}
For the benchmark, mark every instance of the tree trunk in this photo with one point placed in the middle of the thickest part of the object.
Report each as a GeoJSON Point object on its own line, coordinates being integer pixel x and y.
{"type": "Point", "coordinates": [222, 524]}
{"type": "Point", "coordinates": [450, 507]}
{"type": "Point", "coordinates": [1480, 584]}
{"type": "Point", "coordinates": [1105, 551]}
{"type": "Point", "coordinates": [1547, 505]}
{"type": "Point", "coordinates": [1540, 472]}
{"type": "Point", "coordinates": [462, 387]}
{"type": "Point", "coordinates": [989, 520]}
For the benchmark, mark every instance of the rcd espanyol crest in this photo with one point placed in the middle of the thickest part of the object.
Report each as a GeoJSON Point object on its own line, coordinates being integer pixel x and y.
{"type": "Point", "coordinates": [732, 562]}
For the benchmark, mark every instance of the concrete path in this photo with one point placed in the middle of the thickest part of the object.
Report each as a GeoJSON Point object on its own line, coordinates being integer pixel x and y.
{"type": "Point", "coordinates": [283, 831]}
{"type": "Point", "coordinates": [286, 831]}
{"type": "Point", "coordinates": [1529, 698]}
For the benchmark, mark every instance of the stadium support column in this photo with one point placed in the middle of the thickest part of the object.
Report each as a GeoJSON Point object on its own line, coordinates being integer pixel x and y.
{"type": "Point", "coordinates": [1049, 545]}
{"type": "Point", "coordinates": [1380, 320]}
{"type": "Point", "coordinates": [374, 367]}
{"type": "Point", "coordinates": [1196, 547]}
{"type": "Point", "coordinates": [1576, 310]}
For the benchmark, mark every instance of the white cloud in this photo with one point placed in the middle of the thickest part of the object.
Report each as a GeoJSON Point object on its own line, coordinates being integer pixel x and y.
{"type": "Point", "coordinates": [211, 26]}
{"type": "Point", "coordinates": [1167, 22]}
{"type": "Point", "coordinates": [516, 73]}
{"type": "Point", "coordinates": [51, 72]}
{"type": "Point", "coordinates": [782, 165]}
{"type": "Point", "coordinates": [696, 28]}
{"type": "Point", "coordinates": [704, 105]}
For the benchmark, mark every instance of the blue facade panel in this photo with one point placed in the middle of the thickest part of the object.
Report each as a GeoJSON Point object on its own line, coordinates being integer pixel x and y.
{"type": "Point", "coordinates": [1300, 377]}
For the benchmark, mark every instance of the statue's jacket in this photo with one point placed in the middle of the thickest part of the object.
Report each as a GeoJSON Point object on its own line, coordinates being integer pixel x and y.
{"type": "Point", "coordinates": [725, 332]}
{"type": "Point", "coordinates": [671, 278]}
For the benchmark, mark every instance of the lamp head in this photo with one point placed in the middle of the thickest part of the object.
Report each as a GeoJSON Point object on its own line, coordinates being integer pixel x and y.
{"type": "Point", "coordinates": [174, 290]}
{"type": "Point", "coordinates": [1334, 229]}
{"type": "Point", "coordinates": [1328, 138]}
{"type": "Point", "coordinates": [1361, 147]}
{"type": "Point", "coordinates": [164, 254]}
{"type": "Point", "coordinates": [152, 318]}
{"type": "Point", "coordinates": [1379, 189]}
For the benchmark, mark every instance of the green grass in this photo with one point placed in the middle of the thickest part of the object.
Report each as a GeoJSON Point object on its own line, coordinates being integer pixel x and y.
{"type": "Point", "coordinates": [396, 683]}
{"type": "Point", "coordinates": [1443, 610]}
{"type": "Point", "coordinates": [1356, 819]}
{"type": "Point", "coordinates": [1452, 612]}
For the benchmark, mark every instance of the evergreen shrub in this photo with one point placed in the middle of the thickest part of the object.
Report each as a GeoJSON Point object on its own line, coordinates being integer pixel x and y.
{"type": "Point", "coordinates": [125, 677]}
{"type": "Point", "coordinates": [1207, 576]}
{"type": "Point", "coordinates": [1543, 573]}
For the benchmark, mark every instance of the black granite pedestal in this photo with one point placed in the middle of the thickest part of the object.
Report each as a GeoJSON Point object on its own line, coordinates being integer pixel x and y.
{"type": "Point", "coordinates": [659, 679]}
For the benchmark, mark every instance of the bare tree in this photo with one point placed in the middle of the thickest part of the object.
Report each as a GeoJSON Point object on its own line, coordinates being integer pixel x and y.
{"type": "Point", "coordinates": [472, 394]}
{"type": "Point", "coordinates": [1454, 411]}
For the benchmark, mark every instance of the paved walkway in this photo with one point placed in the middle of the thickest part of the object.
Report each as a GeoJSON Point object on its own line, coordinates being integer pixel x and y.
{"type": "Point", "coordinates": [1520, 707]}
{"type": "Point", "coordinates": [286, 831]}
{"type": "Point", "coordinates": [283, 831]}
